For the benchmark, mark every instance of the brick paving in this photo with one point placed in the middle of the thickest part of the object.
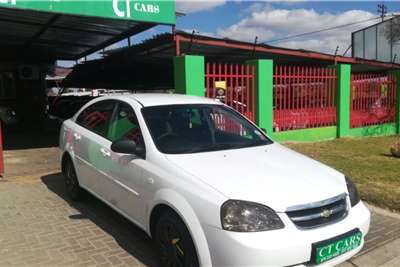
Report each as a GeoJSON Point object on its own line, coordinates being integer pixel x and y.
{"type": "Point", "coordinates": [384, 229]}
{"type": "Point", "coordinates": [39, 226]}
{"type": "Point", "coordinates": [31, 161]}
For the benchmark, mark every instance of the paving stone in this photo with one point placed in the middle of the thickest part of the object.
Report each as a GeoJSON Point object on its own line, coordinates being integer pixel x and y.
{"type": "Point", "coordinates": [40, 226]}
{"type": "Point", "coordinates": [380, 256]}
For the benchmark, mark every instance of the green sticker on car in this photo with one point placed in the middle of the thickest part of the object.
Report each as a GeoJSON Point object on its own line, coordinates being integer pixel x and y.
{"type": "Point", "coordinates": [328, 250]}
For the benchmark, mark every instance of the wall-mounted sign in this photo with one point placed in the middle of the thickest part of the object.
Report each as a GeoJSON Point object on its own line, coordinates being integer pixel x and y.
{"type": "Point", "coordinates": [220, 85]}
{"type": "Point", "coordinates": [162, 11]}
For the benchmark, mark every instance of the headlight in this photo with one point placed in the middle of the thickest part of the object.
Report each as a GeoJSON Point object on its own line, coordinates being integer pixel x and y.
{"type": "Point", "coordinates": [353, 192]}
{"type": "Point", "coordinates": [243, 216]}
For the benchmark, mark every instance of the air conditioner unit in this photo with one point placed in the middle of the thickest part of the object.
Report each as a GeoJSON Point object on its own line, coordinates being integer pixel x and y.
{"type": "Point", "coordinates": [28, 72]}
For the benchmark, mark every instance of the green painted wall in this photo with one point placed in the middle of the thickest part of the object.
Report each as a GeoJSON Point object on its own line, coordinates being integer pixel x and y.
{"type": "Point", "coordinates": [264, 93]}
{"type": "Point", "coordinates": [329, 133]}
{"type": "Point", "coordinates": [306, 135]}
{"type": "Point", "coordinates": [375, 130]}
{"type": "Point", "coordinates": [189, 75]}
{"type": "Point", "coordinates": [343, 74]}
{"type": "Point", "coordinates": [397, 74]}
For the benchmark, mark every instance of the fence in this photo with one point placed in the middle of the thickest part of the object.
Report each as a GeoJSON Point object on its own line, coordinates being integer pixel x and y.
{"type": "Point", "coordinates": [232, 84]}
{"type": "Point", "coordinates": [297, 103]}
{"type": "Point", "coordinates": [304, 97]}
{"type": "Point", "coordinates": [373, 99]}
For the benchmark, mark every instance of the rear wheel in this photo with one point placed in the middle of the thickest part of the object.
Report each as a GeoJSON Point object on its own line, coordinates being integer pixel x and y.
{"type": "Point", "coordinates": [174, 241]}
{"type": "Point", "coordinates": [74, 191]}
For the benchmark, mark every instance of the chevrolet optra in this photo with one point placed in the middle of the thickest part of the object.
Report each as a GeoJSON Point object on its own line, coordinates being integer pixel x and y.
{"type": "Point", "coordinates": [209, 186]}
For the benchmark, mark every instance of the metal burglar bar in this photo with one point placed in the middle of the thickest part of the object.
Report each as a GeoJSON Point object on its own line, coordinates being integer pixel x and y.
{"type": "Point", "coordinates": [304, 97]}
{"type": "Point", "coordinates": [373, 99]}
{"type": "Point", "coordinates": [232, 84]}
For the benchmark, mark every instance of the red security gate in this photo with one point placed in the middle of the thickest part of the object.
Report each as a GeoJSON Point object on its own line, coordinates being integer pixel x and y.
{"type": "Point", "coordinates": [232, 84]}
{"type": "Point", "coordinates": [304, 97]}
{"type": "Point", "coordinates": [373, 99]}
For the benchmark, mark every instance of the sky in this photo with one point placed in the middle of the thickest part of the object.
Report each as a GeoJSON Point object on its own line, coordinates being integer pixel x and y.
{"type": "Point", "coordinates": [271, 21]}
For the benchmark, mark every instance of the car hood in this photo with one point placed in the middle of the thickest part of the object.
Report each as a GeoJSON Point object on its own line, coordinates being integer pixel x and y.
{"type": "Point", "coordinates": [272, 175]}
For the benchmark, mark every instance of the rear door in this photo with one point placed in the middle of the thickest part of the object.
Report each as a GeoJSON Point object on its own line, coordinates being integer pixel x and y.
{"type": "Point", "coordinates": [91, 146]}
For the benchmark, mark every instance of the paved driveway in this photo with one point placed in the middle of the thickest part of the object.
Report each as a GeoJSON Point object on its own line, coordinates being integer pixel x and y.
{"type": "Point", "coordinates": [39, 226]}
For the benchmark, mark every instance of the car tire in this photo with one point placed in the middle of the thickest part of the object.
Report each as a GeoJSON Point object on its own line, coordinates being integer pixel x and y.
{"type": "Point", "coordinates": [74, 190]}
{"type": "Point", "coordinates": [175, 244]}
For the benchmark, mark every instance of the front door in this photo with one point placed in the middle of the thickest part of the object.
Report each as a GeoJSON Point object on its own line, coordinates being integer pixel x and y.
{"type": "Point", "coordinates": [125, 186]}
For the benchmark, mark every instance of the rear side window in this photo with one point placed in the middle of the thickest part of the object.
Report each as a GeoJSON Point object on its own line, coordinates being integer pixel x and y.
{"type": "Point", "coordinates": [96, 117]}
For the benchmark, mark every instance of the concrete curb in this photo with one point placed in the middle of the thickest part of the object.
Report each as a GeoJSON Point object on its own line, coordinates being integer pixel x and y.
{"type": "Point", "coordinates": [383, 211]}
{"type": "Point", "coordinates": [384, 256]}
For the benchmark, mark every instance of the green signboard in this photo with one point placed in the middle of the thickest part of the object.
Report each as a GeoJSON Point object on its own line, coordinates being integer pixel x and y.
{"type": "Point", "coordinates": [162, 12]}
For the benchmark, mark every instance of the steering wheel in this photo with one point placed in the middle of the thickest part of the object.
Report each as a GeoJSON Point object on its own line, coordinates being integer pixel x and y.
{"type": "Point", "coordinates": [133, 134]}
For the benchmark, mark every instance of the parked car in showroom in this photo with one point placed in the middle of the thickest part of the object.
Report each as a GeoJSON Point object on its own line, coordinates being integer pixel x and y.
{"type": "Point", "coordinates": [208, 185]}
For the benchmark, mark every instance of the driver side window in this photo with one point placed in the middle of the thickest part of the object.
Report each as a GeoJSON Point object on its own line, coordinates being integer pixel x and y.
{"type": "Point", "coordinates": [124, 125]}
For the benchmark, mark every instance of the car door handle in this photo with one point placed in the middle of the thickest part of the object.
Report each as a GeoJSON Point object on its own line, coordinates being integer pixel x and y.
{"type": "Point", "coordinates": [77, 136]}
{"type": "Point", "coordinates": [105, 152]}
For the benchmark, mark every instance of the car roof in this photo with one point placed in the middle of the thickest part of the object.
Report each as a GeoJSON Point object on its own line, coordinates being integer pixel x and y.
{"type": "Point", "coordinates": [153, 99]}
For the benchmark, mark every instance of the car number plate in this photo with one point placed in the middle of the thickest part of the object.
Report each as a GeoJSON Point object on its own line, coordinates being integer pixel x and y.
{"type": "Point", "coordinates": [331, 248]}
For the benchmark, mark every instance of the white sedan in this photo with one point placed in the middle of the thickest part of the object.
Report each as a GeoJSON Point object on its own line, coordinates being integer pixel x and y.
{"type": "Point", "coordinates": [209, 186]}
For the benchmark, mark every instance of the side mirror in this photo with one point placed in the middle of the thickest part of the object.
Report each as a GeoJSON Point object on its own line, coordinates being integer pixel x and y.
{"type": "Point", "coordinates": [126, 146]}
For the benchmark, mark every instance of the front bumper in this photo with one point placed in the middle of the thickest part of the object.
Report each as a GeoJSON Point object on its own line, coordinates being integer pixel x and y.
{"type": "Point", "coordinates": [285, 247]}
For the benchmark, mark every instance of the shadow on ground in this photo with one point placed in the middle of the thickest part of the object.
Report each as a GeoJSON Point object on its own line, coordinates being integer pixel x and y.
{"type": "Point", "coordinates": [129, 237]}
{"type": "Point", "coordinates": [16, 140]}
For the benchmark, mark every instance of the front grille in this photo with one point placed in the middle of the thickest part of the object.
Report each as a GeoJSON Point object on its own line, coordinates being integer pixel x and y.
{"type": "Point", "coordinates": [319, 214]}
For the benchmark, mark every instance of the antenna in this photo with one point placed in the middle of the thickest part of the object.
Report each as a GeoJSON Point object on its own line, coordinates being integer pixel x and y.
{"type": "Point", "coordinates": [191, 41]}
{"type": "Point", "coordinates": [337, 50]}
{"type": "Point", "coordinates": [254, 47]}
{"type": "Point", "coordinates": [347, 50]}
{"type": "Point", "coordinates": [382, 10]}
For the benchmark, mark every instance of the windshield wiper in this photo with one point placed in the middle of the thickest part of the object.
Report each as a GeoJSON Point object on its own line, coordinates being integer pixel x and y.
{"type": "Point", "coordinates": [212, 147]}
{"type": "Point", "coordinates": [256, 143]}
{"type": "Point", "coordinates": [223, 146]}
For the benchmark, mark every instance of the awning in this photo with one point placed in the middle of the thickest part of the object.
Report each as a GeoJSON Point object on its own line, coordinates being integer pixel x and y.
{"type": "Point", "coordinates": [69, 30]}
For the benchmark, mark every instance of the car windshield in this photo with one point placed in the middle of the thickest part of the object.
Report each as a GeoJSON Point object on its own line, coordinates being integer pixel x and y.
{"type": "Point", "coordinates": [180, 129]}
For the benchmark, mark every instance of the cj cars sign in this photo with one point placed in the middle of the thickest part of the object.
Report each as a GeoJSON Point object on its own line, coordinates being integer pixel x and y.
{"type": "Point", "coordinates": [138, 7]}
{"type": "Point", "coordinates": [162, 11]}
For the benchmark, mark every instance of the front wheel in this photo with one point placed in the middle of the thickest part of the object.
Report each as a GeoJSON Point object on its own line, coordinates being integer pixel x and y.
{"type": "Point", "coordinates": [74, 191]}
{"type": "Point", "coordinates": [174, 241]}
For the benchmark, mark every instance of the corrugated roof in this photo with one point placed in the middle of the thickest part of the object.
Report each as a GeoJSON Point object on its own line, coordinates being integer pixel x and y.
{"type": "Point", "coordinates": [60, 36]}
{"type": "Point", "coordinates": [228, 50]}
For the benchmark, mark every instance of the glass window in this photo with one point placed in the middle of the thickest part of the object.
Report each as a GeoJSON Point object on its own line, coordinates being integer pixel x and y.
{"type": "Point", "coordinates": [396, 52]}
{"type": "Point", "coordinates": [394, 32]}
{"type": "Point", "coordinates": [7, 85]}
{"type": "Point", "coordinates": [358, 44]}
{"type": "Point", "coordinates": [178, 129]}
{"type": "Point", "coordinates": [96, 117]}
{"type": "Point", "coordinates": [125, 125]}
{"type": "Point", "coordinates": [370, 43]}
{"type": "Point", "coordinates": [384, 42]}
